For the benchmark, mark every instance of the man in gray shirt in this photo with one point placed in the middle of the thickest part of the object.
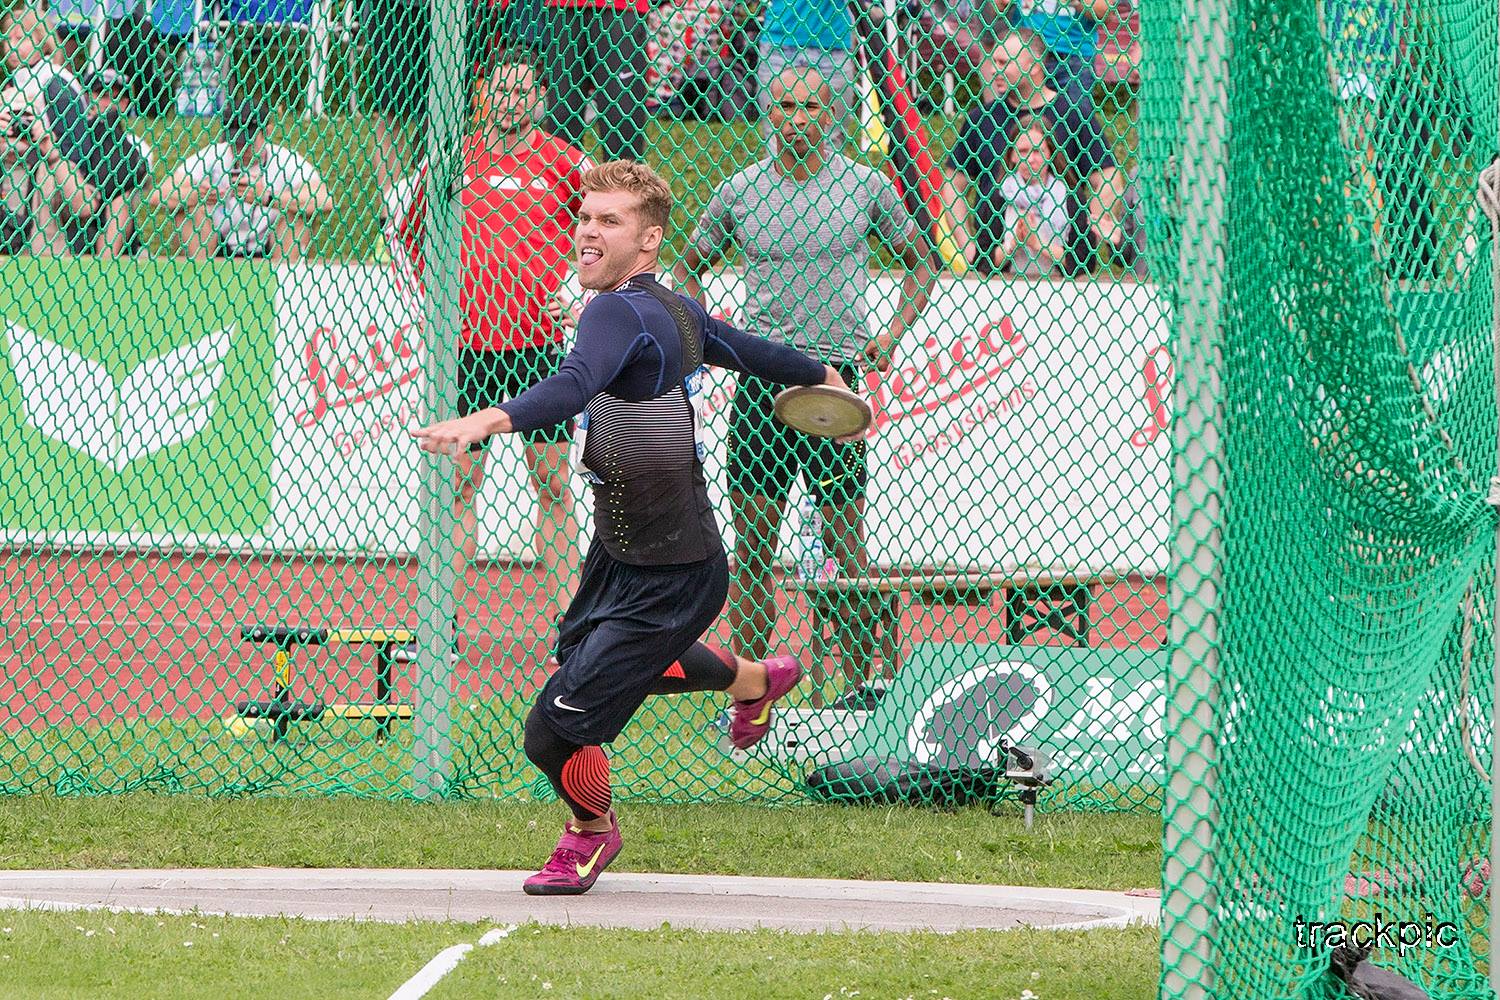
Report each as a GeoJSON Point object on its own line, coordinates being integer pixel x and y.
{"type": "Point", "coordinates": [802, 220]}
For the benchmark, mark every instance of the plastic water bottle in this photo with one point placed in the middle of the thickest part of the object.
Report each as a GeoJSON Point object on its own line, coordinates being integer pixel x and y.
{"type": "Point", "coordinates": [202, 93]}
{"type": "Point", "coordinates": [812, 565]}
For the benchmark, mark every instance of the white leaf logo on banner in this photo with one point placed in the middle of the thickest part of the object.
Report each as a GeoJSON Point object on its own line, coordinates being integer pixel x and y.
{"type": "Point", "coordinates": [163, 401]}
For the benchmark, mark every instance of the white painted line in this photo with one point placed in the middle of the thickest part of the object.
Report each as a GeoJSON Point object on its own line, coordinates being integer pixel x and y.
{"type": "Point", "coordinates": [445, 962]}
{"type": "Point", "coordinates": [495, 934]}
{"type": "Point", "coordinates": [427, 977]}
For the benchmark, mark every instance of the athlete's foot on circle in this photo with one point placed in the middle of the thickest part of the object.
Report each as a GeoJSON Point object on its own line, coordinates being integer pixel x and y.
{"type": "Point", "coordinates": [576, 861]}
{"type": "Point", "coordinates": [752, 719]}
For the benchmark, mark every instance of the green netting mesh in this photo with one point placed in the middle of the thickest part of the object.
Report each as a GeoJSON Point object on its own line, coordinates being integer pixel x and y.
{"type": "Point", "coordinates": [1316, 165]}
{"type": "Point", "coordinates": [230, 291]}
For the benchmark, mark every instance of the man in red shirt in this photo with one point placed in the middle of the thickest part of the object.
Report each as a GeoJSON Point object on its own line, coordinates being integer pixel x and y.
{"type": "Point", "coordinates": [521, 192]}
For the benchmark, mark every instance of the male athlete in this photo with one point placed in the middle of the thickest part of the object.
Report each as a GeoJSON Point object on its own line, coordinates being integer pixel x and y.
{"type": "Point", "coordinates": [656, 575]}
{"type": "Point", "coordinates": [521, 192]}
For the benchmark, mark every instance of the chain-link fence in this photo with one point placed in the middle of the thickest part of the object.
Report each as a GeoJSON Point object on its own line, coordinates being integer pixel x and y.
{"type": "Point", "coordinates": [252, 245]}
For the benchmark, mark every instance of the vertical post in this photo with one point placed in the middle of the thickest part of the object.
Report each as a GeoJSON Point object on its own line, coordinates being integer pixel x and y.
{"type": "Point", "coordinates": [1492, 212]}
{"type": "Point", "coordinates": [383, 658]}
{"type": "Point", "coordinates": [1490, 202]}
{"type": "Point", "coordinates": [281, 704]}
{"type": "Point", "coordinates": [1188, 839]}
{"type": "Point", "coordinates": [319, 49]}
{"type": "Point", "coordinates": [447, 106]}
{"type": "Point", "coordinates": [1495, 686]}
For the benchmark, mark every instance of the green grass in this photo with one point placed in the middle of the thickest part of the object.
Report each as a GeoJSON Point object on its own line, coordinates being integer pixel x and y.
{"type": "Point", "coordinates": [670, 753]}
{"type": "Point", "coordinates": [46, 955]}
{"type": "Point", "coordinates": [1073, 850]}
{"type": "Point", "coordinates": [103, 956]}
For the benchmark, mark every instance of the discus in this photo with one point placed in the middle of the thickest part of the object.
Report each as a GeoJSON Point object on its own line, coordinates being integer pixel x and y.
{"type": "Point", "coordinates": [823, 411]}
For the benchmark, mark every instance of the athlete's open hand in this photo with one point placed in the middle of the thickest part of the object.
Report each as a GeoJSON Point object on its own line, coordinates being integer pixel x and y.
{"type": "Point", "coordinates": [563, 313]}
{"type": "Point", "coordinates": [453, 436]}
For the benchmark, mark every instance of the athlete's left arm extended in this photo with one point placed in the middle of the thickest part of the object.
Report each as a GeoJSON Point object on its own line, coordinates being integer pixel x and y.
{"type": "Point", "coordinates": [609, 338]}
{"type": "Point", "coordinates": [727, 347]}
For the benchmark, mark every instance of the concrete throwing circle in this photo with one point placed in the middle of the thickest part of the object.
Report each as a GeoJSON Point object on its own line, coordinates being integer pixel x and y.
{"type": "Point", "coordinates": [629, 900]}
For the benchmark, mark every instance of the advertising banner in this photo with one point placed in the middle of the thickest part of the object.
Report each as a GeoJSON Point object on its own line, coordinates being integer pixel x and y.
{"type": "Point", "coordinates": [129, 412]}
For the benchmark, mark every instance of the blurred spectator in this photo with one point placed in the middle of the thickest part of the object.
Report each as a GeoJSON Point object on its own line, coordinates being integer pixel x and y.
{"type": "Point", "coordinates": [1036, 203]}
{"type": "Point", "coordinates": [1117, 63]}
{"type": "Point", "coordinates": [78, 163]}
{"type": "Point", "coordinates": [696, 63]}
{"type": "Point", "coordinates": [818, 35]}
{"type": "Point", "coordinates": [590, 50]}
{"type": "Point", "coordinates": [110, 92]}
{"type": "Point", "coordinates": [1069, 31]}
{"type": "Point", "coordinates": [956, 35]}
{"type": "Point", "coordinates": [801, 220]}
{"type": "Point", "coordinates": [1015, 83]}
{"type": "Point", "coordinates": [75, 23]}
{"type": "Point", "coordinates": [112, 232]}
{"type": "Point", "coordinates": [596, 50]}
{"type": "Point", "coordinates": [19, 136]}
{"type": "Point", "coordinates": [18, 157]}
{"type": "Point", "coordinates": [397, 33]}
{"type": "Point", "coordinates": [244, 196]}
{"type": "Point", "coordinates": [143, 43]}
{"type": "Point", "coordinates": [521, 192]}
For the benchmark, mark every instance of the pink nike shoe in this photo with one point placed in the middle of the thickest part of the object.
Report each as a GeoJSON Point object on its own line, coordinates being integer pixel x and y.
{"type": "Point", "coordinates": [576, 861]}
{"type": "Point", "coordinates": [752, 719]}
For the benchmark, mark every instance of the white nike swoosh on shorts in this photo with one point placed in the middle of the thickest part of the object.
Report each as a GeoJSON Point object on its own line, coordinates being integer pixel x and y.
{"type": "Point", "coordinates": [566, 708]}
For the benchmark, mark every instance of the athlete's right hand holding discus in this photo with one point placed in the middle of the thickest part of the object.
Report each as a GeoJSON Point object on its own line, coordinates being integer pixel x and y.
{"type": "Point", "coordinates": [831, 377]}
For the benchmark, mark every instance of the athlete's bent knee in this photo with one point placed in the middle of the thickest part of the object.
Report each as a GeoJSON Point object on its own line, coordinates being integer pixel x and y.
{"type": "Point", "coordinates": [546, 747]}
{"type": "Point", "coordinates": [579, 774]}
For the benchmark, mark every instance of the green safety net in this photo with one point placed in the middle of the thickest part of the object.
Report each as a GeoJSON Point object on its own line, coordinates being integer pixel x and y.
{"type": "Point", "coordinates": [228, 295]}
{"type": "Point", "coordinates": [1329, 720]}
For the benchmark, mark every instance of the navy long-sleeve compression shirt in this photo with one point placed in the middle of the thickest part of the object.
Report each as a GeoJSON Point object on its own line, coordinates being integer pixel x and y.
{"type": "Point", "coordinates": [625, 375]}
{"type": "Point", "coordinates": [628, 345]}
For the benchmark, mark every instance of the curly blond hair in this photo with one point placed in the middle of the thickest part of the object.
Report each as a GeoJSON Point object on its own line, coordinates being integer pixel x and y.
{"type": "Point", "coordinates": [653, 193]}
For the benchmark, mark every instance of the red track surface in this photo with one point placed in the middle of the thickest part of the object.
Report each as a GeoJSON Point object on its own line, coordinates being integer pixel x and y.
{"type": "Point", "coordinates": [103, 637]}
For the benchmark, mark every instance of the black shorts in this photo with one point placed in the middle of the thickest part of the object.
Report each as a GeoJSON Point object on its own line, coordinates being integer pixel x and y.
{"type": "Point", "coordinates": [399, 32]}
{"type": "Point", "coordinates": [15, 233]}
{"type": "Point", "coordinates": [489, 378]}
{"type": "Point", "coordinates": [765, 455]}
{"type": "Point", "coordinates": [625, 627]}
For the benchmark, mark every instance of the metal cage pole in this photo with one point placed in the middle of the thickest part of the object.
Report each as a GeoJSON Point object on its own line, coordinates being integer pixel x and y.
{"type": "Point", "coordinates": [447, 105]}
{"type": "Point", "coordinates": [1188, 899]}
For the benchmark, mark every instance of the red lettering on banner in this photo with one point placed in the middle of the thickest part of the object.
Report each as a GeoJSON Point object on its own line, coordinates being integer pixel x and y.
{"type": "Point", "coordinates": [341, 377]}
{"type": "Point", "coordinates": [983, 412]}
{"type": "Point", "coordinates": [348, 442]}
{"type": "Point", "coordinates": [973, 361]}
{"type": "Point", "coordinates": [1156, 372]}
